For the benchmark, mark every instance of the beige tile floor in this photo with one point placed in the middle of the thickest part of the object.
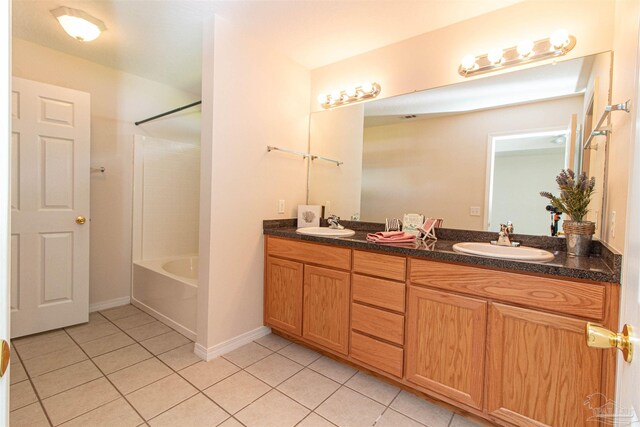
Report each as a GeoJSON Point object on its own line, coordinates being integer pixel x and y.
{"type": "Point", "coordinates": [124, 368]}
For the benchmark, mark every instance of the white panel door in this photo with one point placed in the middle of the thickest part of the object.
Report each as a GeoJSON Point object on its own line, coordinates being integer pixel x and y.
{"type": "Point", "coordinates": [628, 374]}
{"type": "Point", "coordinates": [50, 139]}
{"type": "Point", "coordinates": [5, 161]}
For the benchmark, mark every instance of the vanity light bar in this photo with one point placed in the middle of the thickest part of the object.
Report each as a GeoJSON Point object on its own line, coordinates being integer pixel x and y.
{"type": "Point", "coordinates": [349, 95]}
{"type": "Point", "coordinates": [560, 43]}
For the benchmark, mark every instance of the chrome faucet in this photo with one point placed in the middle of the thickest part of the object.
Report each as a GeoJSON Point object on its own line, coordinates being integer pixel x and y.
{"type": "Point", "coordinates": [333, 222]}
{"type": "Point", "coordinates": [504, 237]}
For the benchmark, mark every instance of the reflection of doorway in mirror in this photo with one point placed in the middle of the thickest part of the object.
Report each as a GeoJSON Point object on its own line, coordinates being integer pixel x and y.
{"type": "Point", "coordinates": [520, 165]}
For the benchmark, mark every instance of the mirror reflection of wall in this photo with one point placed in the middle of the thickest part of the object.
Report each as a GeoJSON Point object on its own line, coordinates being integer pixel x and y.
{"type": "Point", "coordinates": [538, 156]}
{"type": "Point", "coordinates": [476, 153]}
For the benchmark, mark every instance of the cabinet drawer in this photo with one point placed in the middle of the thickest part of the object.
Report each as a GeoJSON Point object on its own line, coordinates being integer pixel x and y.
{"type": "Point", "coordinates": [386, 357]}
{"type": "Point", "coordinates": [387, 266]}
{"type": "Point", "coordinates": [579, 299]}
{"type": "Point", "coordinates": [379, 292]}
{"type": "Point", "coordinates": [312, 253]}
{"type": "Point", "coordinates": [381, 324]}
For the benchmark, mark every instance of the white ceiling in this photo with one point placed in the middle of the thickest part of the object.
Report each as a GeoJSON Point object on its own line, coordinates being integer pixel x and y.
{"type": "Point", "coordinates": [550, 81]}
{"type": "Point", "coordinates": [161, 39]}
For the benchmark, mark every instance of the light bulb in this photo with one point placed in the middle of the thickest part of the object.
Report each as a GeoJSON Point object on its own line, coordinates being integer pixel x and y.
{"type": "Point", "coordinates": [559, 38]}
{"type": "Point", "coordinates": [79, 24]}
{"type": "Point", "coordinates": [495, 55]}
{"type": "Point", "coordinates": [350, 91]}
{"type": "Point", "coordinates": [335, 96]}
{"type": "Point", "coordinates": [322, 98]}
{"type": "Point", "coordinates": [525, 48]}
{"type": "Point", "coordinates": [79, 29]}
{"type": "Point", "coordinates": [468, 62]}
{"type": "Point", "coordinates": [366, 87]}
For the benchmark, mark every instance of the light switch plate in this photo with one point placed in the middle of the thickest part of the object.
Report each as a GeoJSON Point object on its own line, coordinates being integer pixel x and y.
{"type": "Point", "coordinates": [280, 206]}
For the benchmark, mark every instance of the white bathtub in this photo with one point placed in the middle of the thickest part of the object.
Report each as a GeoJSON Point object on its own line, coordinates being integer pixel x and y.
{"type": "Point", "coordinates": [167, 289]}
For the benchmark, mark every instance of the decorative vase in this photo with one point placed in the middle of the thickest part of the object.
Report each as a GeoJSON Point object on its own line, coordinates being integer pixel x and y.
{"type": "Point", "coordinates": [578, 235]}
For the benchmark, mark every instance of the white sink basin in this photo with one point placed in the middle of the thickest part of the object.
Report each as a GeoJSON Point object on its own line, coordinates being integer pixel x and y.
{"type": "Point", "coordinates": [520, 253]}
{"type": "Point", "coordinates": [325, 232]}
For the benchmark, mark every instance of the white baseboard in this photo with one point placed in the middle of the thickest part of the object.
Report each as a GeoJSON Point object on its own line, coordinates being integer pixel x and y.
{"type": "Point", "coordinates": [225, 347]}
{"type": "Point", "coordinates": [117, 302]}
{"type": "Point", "coordinates": [164, 319]}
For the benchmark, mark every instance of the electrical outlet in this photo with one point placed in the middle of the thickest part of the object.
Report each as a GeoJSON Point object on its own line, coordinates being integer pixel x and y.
{"type": "Point", "coordinates": [280, 206]}
{"type": "Point", "coordinates": [327, 208]}
{"type": "Point", "coordinates": [612, 224]}
{"type": "Point", "coordinates": [474, 211]}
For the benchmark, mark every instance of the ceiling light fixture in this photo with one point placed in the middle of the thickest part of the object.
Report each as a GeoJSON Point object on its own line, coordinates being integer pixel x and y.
{"type": "Point", "coordinates": [79, 24]}
{"type": "Point", "coordinates": [351, 94]}
{"type": "Point", "coordinates": [558, 44]}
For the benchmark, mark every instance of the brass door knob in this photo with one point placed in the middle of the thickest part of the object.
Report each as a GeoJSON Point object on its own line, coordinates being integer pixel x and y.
{"type": "Point", "coordinates": [81, 220]}
{"type": "Point", "coordinates": [599, 337]}
{"type": "Point", "coordinates": [5, 354]}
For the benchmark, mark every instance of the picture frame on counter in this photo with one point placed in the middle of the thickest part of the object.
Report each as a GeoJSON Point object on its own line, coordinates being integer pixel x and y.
{"type": "Point", "coordinates": [411, 222]}
{"type": "Point", "coordinates": [309, 215]}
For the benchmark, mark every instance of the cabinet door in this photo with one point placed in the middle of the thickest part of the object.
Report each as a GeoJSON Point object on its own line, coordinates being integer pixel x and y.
{"type": "Point", "coordinates": [326, 308]}
{"type": "Point", "coordinates": [446, 336]}
{"type": "Point", "coordinates": [540, 372]}
{"type": "Point", "coordinates": [283, 295]}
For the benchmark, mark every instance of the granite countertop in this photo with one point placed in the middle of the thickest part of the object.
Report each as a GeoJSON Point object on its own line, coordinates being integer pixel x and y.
{"type": "Point", "coordinates": [604, 265]}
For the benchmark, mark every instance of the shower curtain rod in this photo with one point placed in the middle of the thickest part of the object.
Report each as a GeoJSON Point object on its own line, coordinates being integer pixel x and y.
{"type": "Point", "coordinates": [175, 110]}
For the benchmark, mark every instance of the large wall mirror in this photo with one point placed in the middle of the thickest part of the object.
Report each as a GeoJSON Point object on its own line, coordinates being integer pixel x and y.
{"type": "Point", "coordinates": [476, 153]}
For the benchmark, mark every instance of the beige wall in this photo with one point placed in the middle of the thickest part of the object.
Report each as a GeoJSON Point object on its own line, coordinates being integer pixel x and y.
{"type": "Point", "coordinates": [252, 97]}
{"type": "Point", "coordinates": [437, 166]}
{"type": "Point", "coordinates": [117, 100]}
{"type": "Point", "coordinates": [337, 134]}
{"type": "Point", "coordinates": [432, 59]}
{"type": "Point", "coordinates": [624, 87]}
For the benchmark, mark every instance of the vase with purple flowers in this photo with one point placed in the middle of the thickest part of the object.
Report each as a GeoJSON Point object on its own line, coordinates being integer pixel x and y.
{"type": "Point", "coordinates": [575, 194]}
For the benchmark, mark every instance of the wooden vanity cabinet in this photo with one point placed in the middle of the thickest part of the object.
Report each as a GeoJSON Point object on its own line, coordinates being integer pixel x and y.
{"type": "Point", "coordinates": [540, 371]}
{"type": "Point", "coordinates": [446, 341]}
{"type": "Point", "coordinates": [506, 346]}
{"type": "Point", "coordinates": [307, 291]}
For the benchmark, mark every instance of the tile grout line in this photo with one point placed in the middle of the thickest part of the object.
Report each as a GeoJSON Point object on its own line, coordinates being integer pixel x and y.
{"type": "Point", "coordinates": [176, 371]}
{"type": "Point", "coordinates": [110, 382]}
{"type": "Point", "coordinates": [387, 407]}
{"type": "Point", "coordinates": [451, 420]}
{"type": "Point", "coordinates": [170, 368]}
{"type": "Point", "coordinates": [153, 356]}
{"type": "Point", "coordinates": [329, 396]}
{"type": "Point", "coordinates": [272, 388]}
{"type": "Point", "coordinates": [39, 401]}
{"type": "Point", "coordinates": [344, 384]}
